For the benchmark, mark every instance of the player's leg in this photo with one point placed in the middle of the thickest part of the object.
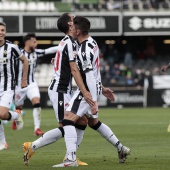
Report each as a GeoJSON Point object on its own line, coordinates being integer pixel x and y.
{"type": "Point", "coordinates": [108, 134]}
{"type": "Point", "coordinates": [52, 135]}
{"type": "Point", "coordinates": [3, 144]}
{"type": "Point", "coordinates": [76, 109]}
{"type": "Point", "coordinates": [33, 95]}
{"type": "Point", "coordinates": [6, 114]}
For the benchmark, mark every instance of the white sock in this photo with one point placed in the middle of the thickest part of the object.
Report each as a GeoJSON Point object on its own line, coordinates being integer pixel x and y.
{"type": "Point", "coordinates": [47, 138]}
{"type": "Point", "coordinates": [37, 117]}
{"type": "Point", "coordinates": [2, 134]}
{"type": "Point", "coordinates": [70, 141]}
{"type": "Point", "coordinates": [107, 133]}
{"type": "Point", "coordinates": [80, 134]}
{"type": "Point", "coordinates": [14, 115]}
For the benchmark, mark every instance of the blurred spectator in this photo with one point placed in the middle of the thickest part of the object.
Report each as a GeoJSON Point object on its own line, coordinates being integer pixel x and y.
{"type": "Point", "coordinates": [115, 74]}
{"type": "Point", "coordinates": [128, 58]}
{"type": "Point", "coordinates": [139, 78]}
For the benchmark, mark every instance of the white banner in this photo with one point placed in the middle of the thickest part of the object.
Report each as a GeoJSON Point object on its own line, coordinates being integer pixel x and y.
{"type": "Point", "coordinates": [161, 82]}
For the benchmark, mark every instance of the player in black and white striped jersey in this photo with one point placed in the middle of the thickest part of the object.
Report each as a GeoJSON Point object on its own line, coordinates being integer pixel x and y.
{"type": "Point", "coordinates": [89, 66]}
{"type": "Point", "coordinates": [59, 90]}
{"type": "Point", "coordinates": [9, 55]}
{"type": "Point", "coordinates": [32, 90]}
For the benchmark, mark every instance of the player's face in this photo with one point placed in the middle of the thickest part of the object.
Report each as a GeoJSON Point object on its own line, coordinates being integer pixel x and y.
{"type": "Point", "coordinates": [33, 44]}
{"type": "Point", "coordinates": [2, 32]}
{"type": "Point", "coordinates": [75, 32]}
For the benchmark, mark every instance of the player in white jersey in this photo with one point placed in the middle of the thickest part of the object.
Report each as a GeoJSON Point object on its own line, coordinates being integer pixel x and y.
{"type": "Point", "coordinates": [89, 66]}
{"type": "Point", "coordinates": [9, 55]}
{"type": "Point", "coordinates": [32, 90]}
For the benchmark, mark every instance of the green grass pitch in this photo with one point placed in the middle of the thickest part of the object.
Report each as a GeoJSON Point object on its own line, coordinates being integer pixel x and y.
{"type": "Point", "coordinates": [144, 131]}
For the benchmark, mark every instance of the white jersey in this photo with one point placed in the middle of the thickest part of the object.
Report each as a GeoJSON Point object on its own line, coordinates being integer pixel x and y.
{"type": "Point", "coordinates": [62, 78]}
{"type": "Point", "coordinates": [88, 59]}
{"type": "Point", "coordinates": [9, 55]}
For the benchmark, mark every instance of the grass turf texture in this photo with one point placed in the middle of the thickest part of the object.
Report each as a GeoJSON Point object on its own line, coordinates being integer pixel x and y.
{"type": "Point", "coordinates": [144, 131]}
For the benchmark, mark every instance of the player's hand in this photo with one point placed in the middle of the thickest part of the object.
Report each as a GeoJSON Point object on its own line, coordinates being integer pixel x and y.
{"type": "Point", "coordinates": [24, 84]}
{"type": "Point", "coordinates": [164, 68]}
{"type": "Point", "coordinates": [88, 98]}
{"type": "Point", "coordinates": [94, 108]}
{"type": "Point", "coordinates": [108, 93]}
{"type": "Point", "coordinates": [52, 61]}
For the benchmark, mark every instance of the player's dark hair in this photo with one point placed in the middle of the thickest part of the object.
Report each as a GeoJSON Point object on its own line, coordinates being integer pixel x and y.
{"type": "Point", "coordinates": [82, 23]}
{"type": "Point", "coordinates": [62, 22]}
{"type": "Point", "coordinates": [3, 23]}
{"type": "Point", "coordinates": [28, 36]}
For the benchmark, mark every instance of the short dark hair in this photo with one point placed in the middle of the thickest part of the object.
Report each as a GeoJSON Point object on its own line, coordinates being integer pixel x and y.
{"type": "Point", "coordinates": [82, 23]}
{"type": "Point", "coordinates": [28, 36]}
{"type": "Point", "coordinates": [62, 22]}
{"type": "Point", "coordinates": [3, 23]}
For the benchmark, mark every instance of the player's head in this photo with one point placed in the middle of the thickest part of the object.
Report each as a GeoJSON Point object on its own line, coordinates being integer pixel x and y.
{"type": "Point", "coordinates": [82, 25]}
{"type": "Point", "coordinates": [30, 41]}
{"type": "Point", "coordinates": [65, 22]}
{"type": "Point", "coordinates": [2, 31]}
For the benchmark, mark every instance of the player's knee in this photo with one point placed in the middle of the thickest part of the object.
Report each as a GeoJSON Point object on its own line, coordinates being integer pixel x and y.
{"type": "Point", "coordinates": [82, 121]}
{"type": "Point", "coordinates": [95, 126]}
{"type": "Point", "coordinates": [67, 122]}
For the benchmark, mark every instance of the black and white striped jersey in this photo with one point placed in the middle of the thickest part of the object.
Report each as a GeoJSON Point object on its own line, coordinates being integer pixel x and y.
{"type": "Point", "coordinates": [88, 59]}
{"type": "Point", "coordinates": [32, 61]}
{"type": "Point", "coordinates": [62, 78]}
{"type": "Point", "coordinates": [9, 55]}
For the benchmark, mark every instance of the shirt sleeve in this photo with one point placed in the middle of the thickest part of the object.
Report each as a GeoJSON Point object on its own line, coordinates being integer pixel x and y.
{"type": "Point", "coordinates": [51, 50]}
{"type": "Point", "coordinates": [16, 50]}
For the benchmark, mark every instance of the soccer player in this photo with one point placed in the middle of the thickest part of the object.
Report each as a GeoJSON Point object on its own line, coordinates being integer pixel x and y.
{"type": "Point", "coordinates": [89, 66]}
{"type": "Point", "coordinates": [55, 134]}
{"type": "Point", "coordinates": [9, 55]}
{"type": "Point", "coordinates": [60, 89]}
{"type": "Point", "coordinates": [32, 90]}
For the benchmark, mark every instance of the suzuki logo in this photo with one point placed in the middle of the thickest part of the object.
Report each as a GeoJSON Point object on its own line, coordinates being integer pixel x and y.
{"type": "Point", "coordinates": [135, 23]}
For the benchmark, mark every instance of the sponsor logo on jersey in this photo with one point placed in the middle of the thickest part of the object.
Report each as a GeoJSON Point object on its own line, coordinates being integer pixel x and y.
{"type": "Point", "coordinates": [3, 60]}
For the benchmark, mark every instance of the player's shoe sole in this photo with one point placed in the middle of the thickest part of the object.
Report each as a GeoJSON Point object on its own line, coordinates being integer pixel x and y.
{"type": "Point", "coordinates": [28, 152]}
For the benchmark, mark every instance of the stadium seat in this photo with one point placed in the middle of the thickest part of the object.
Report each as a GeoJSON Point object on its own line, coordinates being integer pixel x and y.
{"type": "Point", "coordinates": [22, 6]}
{"type": "Point", "coordinates": [32, 6]}
{"type": "Point", "coordinates": [15, 6]}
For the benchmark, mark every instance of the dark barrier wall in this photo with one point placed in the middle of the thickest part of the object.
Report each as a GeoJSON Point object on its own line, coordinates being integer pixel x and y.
{"type": "Point", "coordinates": [126, 98]}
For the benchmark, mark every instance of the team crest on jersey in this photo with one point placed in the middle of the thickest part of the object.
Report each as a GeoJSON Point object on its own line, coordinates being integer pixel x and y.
{"type": "Point", "coordinates": [5, 52]}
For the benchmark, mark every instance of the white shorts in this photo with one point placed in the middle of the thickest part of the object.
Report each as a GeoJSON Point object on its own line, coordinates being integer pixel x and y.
{"type": "Point", "coordinates": [6, 98]}
{"type": "Point", "coordinates": [31, 91]}
{"type": "Point", "coordinates": [60, 103]}
{"type": "Point", "coordinates": [79, 106]}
